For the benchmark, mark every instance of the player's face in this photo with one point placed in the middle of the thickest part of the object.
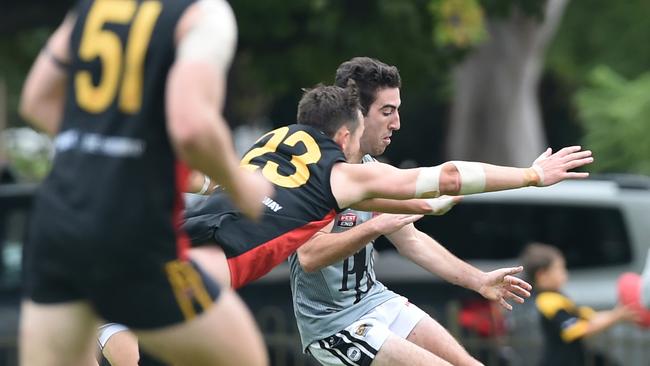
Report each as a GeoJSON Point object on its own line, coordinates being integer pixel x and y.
{"type": "Point", "coordinates": [381, 121]}
{"type": "Point", "coordinates": [352, 149]}
{"type": "Point", "coordinates": [556, 274]}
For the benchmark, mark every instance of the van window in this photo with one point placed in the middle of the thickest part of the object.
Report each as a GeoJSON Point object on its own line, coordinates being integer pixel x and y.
{"type": "Point", "coordinates": [588, 236]}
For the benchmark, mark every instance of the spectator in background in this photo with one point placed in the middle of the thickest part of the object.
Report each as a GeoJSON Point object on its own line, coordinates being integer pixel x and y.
{"type": "Point", "coordinates": [565, 324]}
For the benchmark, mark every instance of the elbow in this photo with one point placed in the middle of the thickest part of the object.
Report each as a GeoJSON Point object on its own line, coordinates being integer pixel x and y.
{"type": "Point", "coordinates": [450, 181]}
{"type": "Point", "coordinates": [185, 135]}
{"type": "Point", "coordinates": [307, 263]}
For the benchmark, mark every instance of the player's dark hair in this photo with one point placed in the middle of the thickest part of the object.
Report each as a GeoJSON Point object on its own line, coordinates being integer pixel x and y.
{"type": "Point", "coordinates": [538, 257]}
{"type": "Point", "coordinates": [328, 107]}
{"type": "Point", "coordinates": [371, 75]}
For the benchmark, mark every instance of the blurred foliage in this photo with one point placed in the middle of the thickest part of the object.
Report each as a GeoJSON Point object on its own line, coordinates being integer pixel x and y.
{"type": "Point", "coordinates": [616, 116]}
{"type": "Point", "coordinates": [17, 52]}
{"type": "Point", "coordinates": [29, 153]}
{"type": "Point", "coordinates": [458, 23]}
{"type": "Point", "coordinates": [288, 45]}
{"type": "Point", "coordinates": [601, 32]}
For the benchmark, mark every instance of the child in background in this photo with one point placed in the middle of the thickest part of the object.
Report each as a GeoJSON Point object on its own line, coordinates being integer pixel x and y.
{"type": "Point", "coordinates": [564, 324]}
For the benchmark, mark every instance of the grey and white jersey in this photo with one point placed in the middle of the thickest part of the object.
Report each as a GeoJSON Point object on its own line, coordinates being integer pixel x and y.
{"type": "Point", "coordinates": [332, 298]}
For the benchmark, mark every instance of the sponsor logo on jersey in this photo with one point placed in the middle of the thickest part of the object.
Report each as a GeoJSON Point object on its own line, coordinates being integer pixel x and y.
{"type": "Point", "coordinates": [362, 330]}
{"type": "Point", "coordinates": [347, 220]}
{"type": "Point", "coordinates": [354, 353]}
{"type": "Point", "coordinates": [268, 202]}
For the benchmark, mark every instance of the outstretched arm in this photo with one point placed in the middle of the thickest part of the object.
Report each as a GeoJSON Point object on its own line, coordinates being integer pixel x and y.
{"type": "Point", "coordinates": [326, 248]}
{"type": "Point", "coordinates": [429, 206]}
{"type": "Point", "coordinates": [499, 285]}
{"type": "Point", "coordinates": [352, 183]}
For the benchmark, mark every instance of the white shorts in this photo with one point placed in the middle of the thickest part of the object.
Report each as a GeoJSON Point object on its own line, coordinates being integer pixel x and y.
{"type": "Point", "coordinates": [357, 344]}
{"type": "Point", "coordinates": [106, 331]}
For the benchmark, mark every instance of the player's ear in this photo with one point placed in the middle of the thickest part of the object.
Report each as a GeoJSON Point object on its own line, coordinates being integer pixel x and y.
{"type": "Point", "coordinates": [342, 136]}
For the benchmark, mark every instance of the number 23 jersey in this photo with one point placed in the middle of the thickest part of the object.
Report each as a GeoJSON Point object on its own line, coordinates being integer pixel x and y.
{"type": "Point", "coordinates": [298, 160]}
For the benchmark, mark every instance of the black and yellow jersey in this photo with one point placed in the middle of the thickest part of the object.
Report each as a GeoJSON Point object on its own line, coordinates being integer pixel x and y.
{"type": "Point", "coordinates": [114, 163]}
{"type": "Point", "coordinates": [563, 326]}
{"type": "Point", "coordinates": [298, 160]}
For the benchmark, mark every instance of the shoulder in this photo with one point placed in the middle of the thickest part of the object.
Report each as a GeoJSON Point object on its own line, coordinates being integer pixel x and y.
{"type": "Point", "coordinates": [549, 303]}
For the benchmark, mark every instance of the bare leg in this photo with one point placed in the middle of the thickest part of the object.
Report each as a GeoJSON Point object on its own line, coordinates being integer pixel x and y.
{"type": "Point", "coordinates": [213, 260]}
{"type": "Point", "coordinates": [57, 335]}
{"type": "Point", "coordinates": [122, 349]}
{"type": "Point", "coordinates": [224, 335]}
{"type": "Point", "coordinates": [397, 351]}
{"type": "Point", "coordinates": [430, 335]}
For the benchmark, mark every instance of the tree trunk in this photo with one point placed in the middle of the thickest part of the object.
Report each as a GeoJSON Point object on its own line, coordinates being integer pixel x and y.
{"type": "Point", "coordinates": [495, 114]}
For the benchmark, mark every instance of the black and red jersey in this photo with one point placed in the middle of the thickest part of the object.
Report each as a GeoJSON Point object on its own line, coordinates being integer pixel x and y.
{"type": "Point", "coordinates": [298, 160]}
{"type": "Point", "coordinates": [114, 164]}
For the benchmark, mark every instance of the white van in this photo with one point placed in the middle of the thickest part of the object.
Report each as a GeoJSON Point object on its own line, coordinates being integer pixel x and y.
{"type": "Point", "coordinates": [602, 225]}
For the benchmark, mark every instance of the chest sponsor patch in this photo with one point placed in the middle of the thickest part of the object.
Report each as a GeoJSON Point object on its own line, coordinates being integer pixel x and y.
{"type": "Point", "coordinates": [347, 220]}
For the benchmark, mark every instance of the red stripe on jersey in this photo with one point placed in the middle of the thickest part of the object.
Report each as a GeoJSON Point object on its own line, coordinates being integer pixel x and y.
{"type": "Point", "coordinates": [255, 263]}
{"type": "Point", "coordinates": [182, 240]}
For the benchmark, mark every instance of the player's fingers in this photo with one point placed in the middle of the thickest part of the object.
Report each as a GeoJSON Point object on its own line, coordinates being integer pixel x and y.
{"type": "Point", "coordinates": [408, 219]}
{"type": "Point", "coordinates": [578, 163]}
{"type": "Point", "coordinates": [567, 150]}
{"type": "Point", "coordinates": [576, 175]}
{"type": "Point", "coordinates": [577, 155]}
{"type": "Point", "coordinates": [519, 282]}
{"type": "Point", "coordinates": [512, 296]}
{"type": "Point", "coordinates": [519, 291]}
{"type": "Point", "coordinates": [513, 270]}
{"type": "Point", "coordinates": [505, 304]}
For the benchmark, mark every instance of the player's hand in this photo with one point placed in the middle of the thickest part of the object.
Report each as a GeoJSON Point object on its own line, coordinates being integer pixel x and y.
{"type": "Point", "coordinates": [552, 167]}
{"type": "Point", "coordinates": [501, 285]}
{"type": "Point", "coordinates": [627, 313]}
{"type": "Point", "coordinates": [389, 223]}
{"type": "Point", "coordinates": [441, 205]}
{"type": "Point", "coordinates": [250, 190]}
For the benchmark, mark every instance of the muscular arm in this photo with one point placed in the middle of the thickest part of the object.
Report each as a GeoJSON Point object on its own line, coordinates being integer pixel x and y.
{"type": "Point", "coordinates": [43, 96]}
{"type": "Point", "coordinates": [498, 285]}
{"type": "Point", "coordinates": [431, 206]}
{"type": "Point", "coordinates": [352, 183]}
{"type": "Point", "coordinates": [430, 255]}
{"type": "Point", "coordinates": [194, 100]}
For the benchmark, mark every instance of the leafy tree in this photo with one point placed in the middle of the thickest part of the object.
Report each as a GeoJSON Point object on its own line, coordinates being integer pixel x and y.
{"type": "Point", "coordinates": [616, 115]}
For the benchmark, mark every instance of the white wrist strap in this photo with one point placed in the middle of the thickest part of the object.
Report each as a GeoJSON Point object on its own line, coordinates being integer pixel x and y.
{"type": "Point", "coordinates": [206, 185]}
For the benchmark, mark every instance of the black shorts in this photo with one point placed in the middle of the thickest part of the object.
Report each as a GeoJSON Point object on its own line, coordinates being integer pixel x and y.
{"type": "Point", "coordinates": [138, 283]}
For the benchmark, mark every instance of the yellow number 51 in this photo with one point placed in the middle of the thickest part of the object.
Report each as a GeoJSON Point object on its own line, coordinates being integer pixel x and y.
{"type": "Point", "coordinates": [104, 44]}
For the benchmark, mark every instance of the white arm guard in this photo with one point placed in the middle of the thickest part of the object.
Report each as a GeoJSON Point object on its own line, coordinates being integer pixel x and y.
{"type": "Point", "coordinates": [472, 177]}
{"type": "Point", "coordinates": [213, 36]}
{"type": "Point", "coordinates": [427, 185]}
{"type": "Point", "coordinates": [441, 205]}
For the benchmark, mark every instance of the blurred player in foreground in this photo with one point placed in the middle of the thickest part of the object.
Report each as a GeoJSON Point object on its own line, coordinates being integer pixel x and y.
{"type": "Point", "coordinates": [133, 91]}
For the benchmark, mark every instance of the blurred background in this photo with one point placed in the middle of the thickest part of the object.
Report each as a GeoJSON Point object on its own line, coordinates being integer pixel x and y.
{"type": "Point", "coordinates": [487, 80]}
